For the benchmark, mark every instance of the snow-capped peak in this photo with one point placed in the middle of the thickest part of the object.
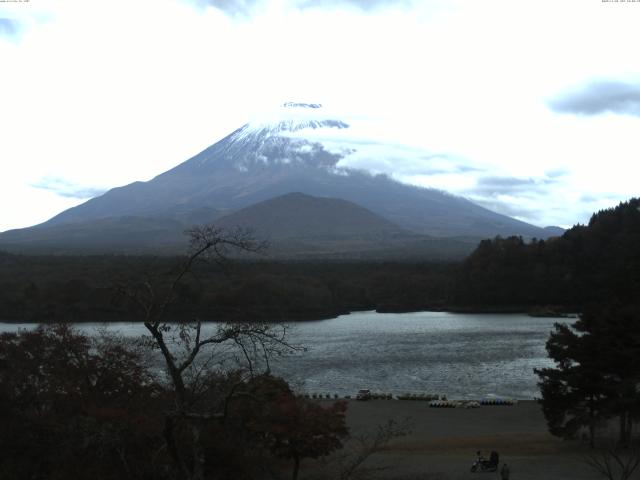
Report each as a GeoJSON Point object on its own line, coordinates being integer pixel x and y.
{"type": "Point", "coordinates": [288, 118]}
{"type": "Point", "coordinates": [301, 105]}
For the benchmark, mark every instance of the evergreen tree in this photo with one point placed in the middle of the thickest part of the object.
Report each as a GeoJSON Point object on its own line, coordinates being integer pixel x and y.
{"type": "Point", "coordinates": [597, 372]}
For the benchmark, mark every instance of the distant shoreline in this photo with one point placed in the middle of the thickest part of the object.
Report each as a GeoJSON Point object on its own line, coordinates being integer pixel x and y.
{"type": "Point", "coordinates": [535, 312]}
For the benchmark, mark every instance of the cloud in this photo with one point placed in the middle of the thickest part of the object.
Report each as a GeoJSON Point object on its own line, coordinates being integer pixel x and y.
{"type": "Point", "coordinates": [364, 5]}
{"type": "Point", "coordinates": [600, 97]}
{"type": "Point", "coordinates": [67, 189]}
{"type": "Point", "coordinates": [588, 198]}
{"type": "Point", "coordinates": [440, 164]}
{"type": "Point", "coordinates": [557, 173]}
{"type": "Point", "coordinates": [493, 185]}
{"type": "Point", "coordinates": [233, 8]}
{"type": "Point", "coordinates": [395, 159]}
{"type": "Point", "coordinates": [510, 208]}
{"type": "Point", "coordinates": [524, 198]}
{"type": "Point", "coordinates": [8, 27]}
{"type": "Point", "coordinates": [237, 8]}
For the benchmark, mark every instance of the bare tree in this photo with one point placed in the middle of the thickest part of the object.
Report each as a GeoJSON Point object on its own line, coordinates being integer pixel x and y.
{"type": "Point", "coordinates": [188, 349]}
{"type": "Point", "coordinates": [350, 464]}
{"type": "Point", "coordinates": [614, 463]}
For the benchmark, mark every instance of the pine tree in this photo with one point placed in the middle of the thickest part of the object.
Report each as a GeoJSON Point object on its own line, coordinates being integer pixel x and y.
{"type": "Point", "coordinates": [597, 372]}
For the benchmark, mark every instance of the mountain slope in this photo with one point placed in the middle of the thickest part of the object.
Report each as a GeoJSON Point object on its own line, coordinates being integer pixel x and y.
{"type": "Point", "coordinates": [103, 235]}
{"type": "Point", "coordinates": [258, 162]}
{"type": "Point", "coordinates": [297, 215]}
{"type": "Point", "coordinates": [264, 160]}
{"type": "Point", "coordinates": [295, 225]}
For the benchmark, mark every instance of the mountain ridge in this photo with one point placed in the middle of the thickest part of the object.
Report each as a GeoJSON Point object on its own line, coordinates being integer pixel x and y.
{"type": "Point", "coordinates": [297, 215]}
{"type": "Point", "coordinates": [267, 159]}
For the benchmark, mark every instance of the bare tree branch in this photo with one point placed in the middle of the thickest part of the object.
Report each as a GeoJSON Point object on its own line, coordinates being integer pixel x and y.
{"type": "Point", "coordinates": [182, 344]}
{"type": "Point", "coordinates": [350, 464]}
{"type": "Point", "coordinates": [614, 463]}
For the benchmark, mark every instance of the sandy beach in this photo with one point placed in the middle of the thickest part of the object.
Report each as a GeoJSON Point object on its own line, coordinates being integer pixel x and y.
{"type": "Point", "coordinates": [443, 442]}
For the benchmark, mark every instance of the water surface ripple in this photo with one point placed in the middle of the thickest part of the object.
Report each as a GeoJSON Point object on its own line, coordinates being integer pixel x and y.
{"type": "Point", "coordinates": [460, 355]}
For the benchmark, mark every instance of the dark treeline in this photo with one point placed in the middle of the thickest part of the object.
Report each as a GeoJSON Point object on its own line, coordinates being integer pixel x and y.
{"type": "Point", "coordinates": [85, 288]}
{"type": "Point", "coordinates": [587, 264]}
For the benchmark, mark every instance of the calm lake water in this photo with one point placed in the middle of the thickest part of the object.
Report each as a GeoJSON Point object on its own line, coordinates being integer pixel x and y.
{"type": "Point", "coordinates": [460, 355]}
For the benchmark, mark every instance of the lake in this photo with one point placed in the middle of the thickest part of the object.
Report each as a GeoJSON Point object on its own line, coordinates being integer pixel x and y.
{"type": "Point", "coordinates": [460, 355]}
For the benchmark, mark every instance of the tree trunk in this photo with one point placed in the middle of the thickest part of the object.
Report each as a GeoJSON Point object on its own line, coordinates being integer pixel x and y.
{"type": "Point", "coordinates": [623, 429]}
{"type": "Point", "coordinates": [296, 466]}
{"type": "Point", "coordinates": [171, 446]}
{"type": "Point", "coordinates": [592, 424]}
{"type": "Point", "coordinates": [198, 452]}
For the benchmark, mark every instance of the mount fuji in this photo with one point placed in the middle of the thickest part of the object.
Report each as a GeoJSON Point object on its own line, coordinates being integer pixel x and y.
{"type": "Point", "coordinates": [259, 162]}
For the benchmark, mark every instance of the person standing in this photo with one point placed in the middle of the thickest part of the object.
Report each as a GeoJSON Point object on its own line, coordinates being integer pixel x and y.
{"type": "Point", "coordinates": [504, 473]}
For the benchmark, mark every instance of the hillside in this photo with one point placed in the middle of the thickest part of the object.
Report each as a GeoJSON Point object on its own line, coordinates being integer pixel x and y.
{"type": "Point", "coordinates": [297, 215]}
{"type": "Point", "coordinates": [589, 263]}
{"type": "Point", "coordinates": [295, 226]}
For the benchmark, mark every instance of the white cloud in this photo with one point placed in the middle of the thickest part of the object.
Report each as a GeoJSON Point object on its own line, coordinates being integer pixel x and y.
{"type": "Point", "coordinates": [64, 188]}
{"type": "Point", "coordinates": [101, 95]}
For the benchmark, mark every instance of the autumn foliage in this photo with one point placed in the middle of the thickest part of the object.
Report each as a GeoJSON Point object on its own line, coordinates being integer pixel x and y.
{"type": "Point", "coordinates": [74, 406]}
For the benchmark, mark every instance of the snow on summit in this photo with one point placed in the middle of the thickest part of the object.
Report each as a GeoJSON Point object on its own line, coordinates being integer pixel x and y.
{"type": "Point", "coordinates": [299, 133]}
{"type": "Point", "coordinates": [292, 117]}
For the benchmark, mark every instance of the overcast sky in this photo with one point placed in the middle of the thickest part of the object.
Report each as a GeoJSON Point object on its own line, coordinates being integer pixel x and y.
{"type": "Point", "coordinates": [531, 108]}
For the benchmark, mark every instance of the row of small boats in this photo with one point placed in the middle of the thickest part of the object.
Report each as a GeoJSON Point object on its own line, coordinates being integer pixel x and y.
{"type": "Point", "coordinates": [435, 400]}
{"type": "Point", "coordinates": [471, 403]}
{"type": "Point", "coordinates": [421, 397]}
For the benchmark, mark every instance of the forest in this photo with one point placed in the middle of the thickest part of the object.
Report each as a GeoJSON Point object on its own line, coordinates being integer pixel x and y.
{"type": "Point", "coordinates": [57, 288]}
{"type": "Point", "coordinates": [588, 263]}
